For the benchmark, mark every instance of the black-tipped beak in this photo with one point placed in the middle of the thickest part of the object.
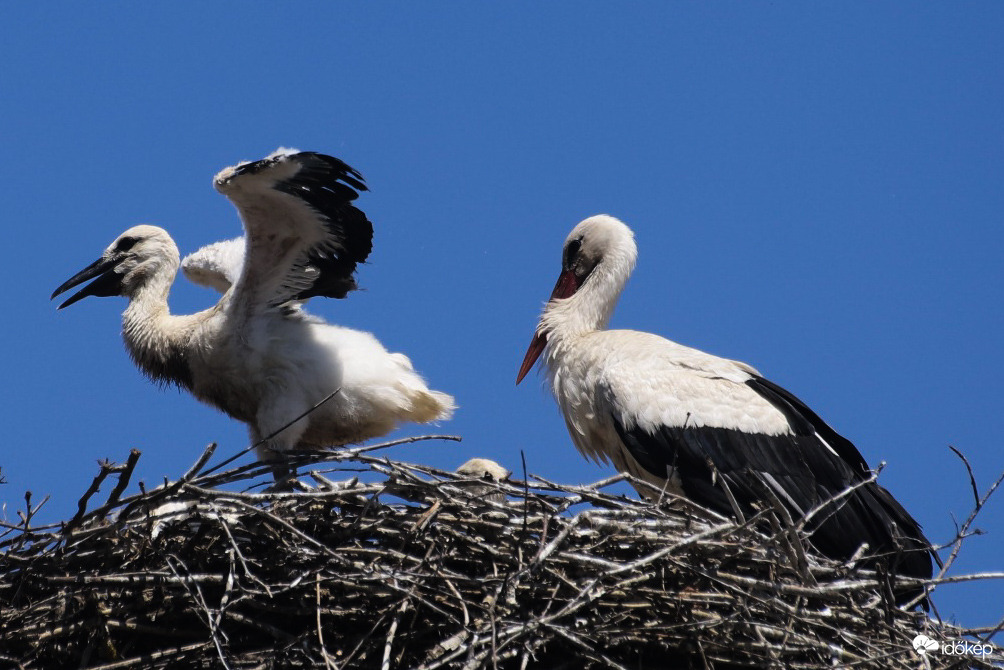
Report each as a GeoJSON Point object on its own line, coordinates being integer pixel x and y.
{"type": "Point", "coordinates": [108, 282]}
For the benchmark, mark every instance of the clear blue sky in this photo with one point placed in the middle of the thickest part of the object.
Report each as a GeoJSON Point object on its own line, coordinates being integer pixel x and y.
{"type": "Point", "coordinates": [816, 189]}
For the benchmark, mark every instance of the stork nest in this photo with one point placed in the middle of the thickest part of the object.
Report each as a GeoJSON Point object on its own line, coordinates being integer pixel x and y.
{"type": "Point", "coordinates": [406, 566]}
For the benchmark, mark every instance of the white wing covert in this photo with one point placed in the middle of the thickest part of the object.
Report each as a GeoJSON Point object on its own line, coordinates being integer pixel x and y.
{"type": "Point", "coordinates": [217, 265]}
{"type": "Point", "coordinates": [303, 235]}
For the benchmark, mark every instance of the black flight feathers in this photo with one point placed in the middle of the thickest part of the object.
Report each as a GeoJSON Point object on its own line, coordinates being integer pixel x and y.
{"type": "Point", "coordinates": [798, 470]}
{"type": "Point", "coordinates": [328, 186]}
{"type": "Point", "coordinates": [804, 421]}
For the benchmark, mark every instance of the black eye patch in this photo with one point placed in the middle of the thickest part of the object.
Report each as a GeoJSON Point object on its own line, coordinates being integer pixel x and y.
{"type": "Point", "coordinates": [125, 244]}
{"type": "Point", "coordinates": [572, 251]}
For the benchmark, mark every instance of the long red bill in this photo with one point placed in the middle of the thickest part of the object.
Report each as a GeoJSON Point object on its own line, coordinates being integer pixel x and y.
{"type": "Point", "coordinates": [537, 345]}
{"type": "Point", "coordinates": [566, 286]}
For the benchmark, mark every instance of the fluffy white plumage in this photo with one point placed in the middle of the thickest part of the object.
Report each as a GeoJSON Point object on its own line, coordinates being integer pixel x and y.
{"type": "Point", "coordinates": [484, 470]}
{"type": "Point", "coordinates": [255, 355]}
{"type": "Point", "coordinates": [217, 265]}
{"type": "Point", "coordinates": [661, 383]}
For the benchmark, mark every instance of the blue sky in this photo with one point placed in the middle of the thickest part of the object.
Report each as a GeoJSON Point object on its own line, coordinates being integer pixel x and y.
{"type": "Point", "coordinates": [815, 189]}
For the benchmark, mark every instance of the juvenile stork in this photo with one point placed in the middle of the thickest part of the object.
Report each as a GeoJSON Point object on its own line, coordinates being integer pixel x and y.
{"type": "Point", "coordinates": [484, 470]}
{"type": "Point", "coordinates": [256, 355]}
{"type": "Point", "coordinates": [711, 429]}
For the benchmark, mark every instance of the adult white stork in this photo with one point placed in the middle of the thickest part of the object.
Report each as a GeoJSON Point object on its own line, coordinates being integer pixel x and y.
{"type": "Point", "coordinates": [702, 426]}
{"type": "Point", "coordinates": [256, 355]}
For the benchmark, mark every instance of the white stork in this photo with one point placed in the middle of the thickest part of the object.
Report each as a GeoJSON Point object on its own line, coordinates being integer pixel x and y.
{"type": "Point", "coordinates": [702, 426]}
{"type": "Point", "coordinates": [256, 355]}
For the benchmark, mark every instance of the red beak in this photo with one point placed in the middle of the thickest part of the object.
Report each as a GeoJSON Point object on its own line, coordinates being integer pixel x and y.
{"type": "Point", "coordinates": [567, 285]}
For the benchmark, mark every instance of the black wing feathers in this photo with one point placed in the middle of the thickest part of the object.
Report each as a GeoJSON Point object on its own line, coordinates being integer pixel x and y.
{"type": "Point", "coordinates": [798, 469]}
{"type": "Point", "coordinates": [804, 421]}
{"type": "Point", "coordinates": [328, 186]}
{"type": "Point", "coordinates": [807, 473]}
{"type": "Point", "coordinates": [650, 453]}
{"type": "Point", "coordinates": [872, 506]}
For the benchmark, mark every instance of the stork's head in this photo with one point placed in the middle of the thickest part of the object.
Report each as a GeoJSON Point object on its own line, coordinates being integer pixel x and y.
{"type": "Point", "coordinates": [130, 262]}
{"type": "Point", "coordinates": [484, 468]}
{"type": "Point", "coordinates": [596, 261]}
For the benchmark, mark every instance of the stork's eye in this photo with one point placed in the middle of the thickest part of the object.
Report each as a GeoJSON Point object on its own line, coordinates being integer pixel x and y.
{"type": "Point", "coordinates": [572, 250]}
{"type": "Point", "coordinates": [126, 243]}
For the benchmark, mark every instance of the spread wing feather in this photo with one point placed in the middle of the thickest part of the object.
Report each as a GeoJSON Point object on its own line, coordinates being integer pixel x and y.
{"type": "Point", "coordinates": [303, 235]}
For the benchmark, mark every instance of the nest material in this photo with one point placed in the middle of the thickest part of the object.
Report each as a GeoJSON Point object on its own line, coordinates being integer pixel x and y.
{"type": "Point", "coordinates": [417, 568]}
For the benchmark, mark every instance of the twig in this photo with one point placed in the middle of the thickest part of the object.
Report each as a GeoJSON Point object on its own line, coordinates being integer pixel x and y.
{"type": "Point", "coordinates": [960, 536]}
{"type": "Point", "coordinates": [328, 663]}
{"type": "Point", "coordinates": [106, 469]}
{"type": "Point", "coordinates": [972, 477]}
{"type": "Point", "coordinates": [526, 489]}
{"type": "Point", "coordinates": [385, 664]}
{"type": "Point", "coordinates": [124, 476]}
{"type": "Point", "coordinates": [196, 468]}
{"type": "Point", "coordinates": [211, 622]}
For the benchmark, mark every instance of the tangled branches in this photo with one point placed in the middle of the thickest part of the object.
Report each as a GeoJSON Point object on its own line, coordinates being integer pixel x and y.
{"type": "Point", "coordinates": [405, 566]}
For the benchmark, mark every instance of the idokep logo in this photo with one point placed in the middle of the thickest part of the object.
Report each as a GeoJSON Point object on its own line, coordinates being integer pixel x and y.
{"type": "Point", "coordinates": [928, 645]}
{"type": "Point", "coordinates": [923, 644]}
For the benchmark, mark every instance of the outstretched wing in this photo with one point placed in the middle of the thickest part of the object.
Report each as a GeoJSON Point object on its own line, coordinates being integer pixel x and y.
{"type": "Point", "coordinates": [303, 236]}
{"type": "Point", "coordinates": [217, 265]}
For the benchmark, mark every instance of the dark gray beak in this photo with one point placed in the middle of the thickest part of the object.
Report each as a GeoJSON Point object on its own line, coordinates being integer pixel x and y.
{"type": "Point", "coordinates": [108, 282]}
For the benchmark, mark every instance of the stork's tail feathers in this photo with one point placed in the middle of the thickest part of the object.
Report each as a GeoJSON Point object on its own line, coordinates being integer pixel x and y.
{"type": "Point", "coordinates": [427, 406]}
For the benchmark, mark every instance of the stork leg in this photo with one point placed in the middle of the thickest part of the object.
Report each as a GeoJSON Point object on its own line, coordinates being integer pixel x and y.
{"type": "Point", "coordinates": [269, 455]}
{"type": "Point", "coordinates": [276, 433]}
{"type": "Point", "coordinates": [282, 473]}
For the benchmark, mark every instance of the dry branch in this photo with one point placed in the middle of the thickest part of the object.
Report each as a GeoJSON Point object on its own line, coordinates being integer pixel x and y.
{"type": "Point", "coordinates": [405, 566]}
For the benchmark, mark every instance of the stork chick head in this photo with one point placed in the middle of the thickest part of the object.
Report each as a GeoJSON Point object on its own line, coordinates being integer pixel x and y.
{"type": "Point", "coordinates": [128, 264]}
{"type": "Point", "coordinates": [596, 261]}
{"type": "Point", "coordinates": [484, 468]}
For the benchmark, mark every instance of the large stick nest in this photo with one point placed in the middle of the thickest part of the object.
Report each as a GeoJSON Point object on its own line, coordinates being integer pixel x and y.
{"type": "Point", "coordinates": [405, 566]}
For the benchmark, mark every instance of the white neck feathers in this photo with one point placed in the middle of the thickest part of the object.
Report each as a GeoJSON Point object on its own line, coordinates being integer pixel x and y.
{"type": "Point", "coordinates": [157, 340]}
{"type": "Point", "coordinates": [589, 309]}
